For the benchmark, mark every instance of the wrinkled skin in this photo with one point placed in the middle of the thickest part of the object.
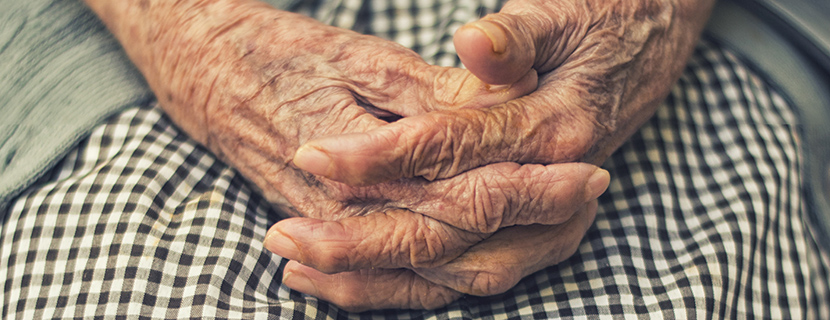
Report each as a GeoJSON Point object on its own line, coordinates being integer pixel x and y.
{"type": "Point", "coordinates": [253, 84]}
{"type": "Point", "coordinates": [603, 68]}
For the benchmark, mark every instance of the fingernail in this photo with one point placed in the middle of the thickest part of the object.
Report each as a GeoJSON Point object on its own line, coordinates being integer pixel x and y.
{"type": "Point", "coordinates": [499, 87]}
{"type": "Point", "coordinates": [597, 183]}
{"type": "Point", "coordinates": [313, 160]}
{"type": "Point", "coordinates": [493, 31]}
{"type": "Point", "coordinates": [282, 245]}
{"type": "Point", "coordinates": [299, 282]}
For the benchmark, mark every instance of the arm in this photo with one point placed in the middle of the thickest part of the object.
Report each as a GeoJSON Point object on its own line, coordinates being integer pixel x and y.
{"type": "Point", "coordinates": [253, 83]}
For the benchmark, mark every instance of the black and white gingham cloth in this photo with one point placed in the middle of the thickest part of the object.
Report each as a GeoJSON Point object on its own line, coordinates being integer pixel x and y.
{"type": "Point", "coordinates": [704, 217]}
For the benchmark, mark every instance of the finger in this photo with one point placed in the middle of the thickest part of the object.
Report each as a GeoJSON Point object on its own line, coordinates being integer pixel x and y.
{"type": "Point", "coordinates": [260, 152]}
{"type": "Point", "coordinates": [400, 238]}
{"type": "Point", "coordinates": [502, 47]}
{"type": "Point", "coordinates": [498, 263]}
{"type": "Point", "coordinates": [432, 88]}
{"type": "Point", "coordinates": [486, 199]}
{"type": "Point", "coordinates": [392, 239]}
{"type": "Point", "coordinates": [444, 144]}
{"type": "Point", "coordinates": [403, 85]}
{"type": "Point", "coordinates": [363, 290]}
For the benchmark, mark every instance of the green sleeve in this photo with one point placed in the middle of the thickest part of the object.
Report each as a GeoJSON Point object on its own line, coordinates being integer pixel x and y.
{"type": "Point", "coordinates": [61, 74]}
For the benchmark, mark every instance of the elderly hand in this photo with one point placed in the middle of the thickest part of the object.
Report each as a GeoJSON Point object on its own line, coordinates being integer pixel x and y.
{"type": "Point", "coordinates": [253, 83]}
{"type": "Point", "coordinates": [489, 267]}
{"type": "Point", "coordinates": [604, 66]}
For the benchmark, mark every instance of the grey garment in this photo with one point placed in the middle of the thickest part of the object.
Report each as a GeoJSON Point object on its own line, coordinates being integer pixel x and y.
{"type": "Point", "coordinates": [61, 73]}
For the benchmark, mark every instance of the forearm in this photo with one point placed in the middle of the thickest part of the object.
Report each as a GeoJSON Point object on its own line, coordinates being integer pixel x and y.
{"type": "Point", "coordinates": [655, 66]}
{"type": "Point", "coordinates": [664, 59]}
{"type": "Point", "coordinates": [170, 43]}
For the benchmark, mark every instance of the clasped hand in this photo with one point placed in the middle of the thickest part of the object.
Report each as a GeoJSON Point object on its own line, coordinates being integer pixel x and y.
{"type": "Point", "coordinates": [411, 184]}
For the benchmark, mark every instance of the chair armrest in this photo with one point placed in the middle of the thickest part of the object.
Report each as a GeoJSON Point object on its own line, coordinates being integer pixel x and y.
{"type": "Point", "coordinates": [805, 22]}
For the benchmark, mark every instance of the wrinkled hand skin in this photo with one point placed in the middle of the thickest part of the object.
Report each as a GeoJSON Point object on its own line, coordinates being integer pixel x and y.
{"type": "Point", "coordinates": [603, 68]}
{"type": "Point", "coordinates": [253, 84]}
{"type": "Point", "coordinates": [490, 267]}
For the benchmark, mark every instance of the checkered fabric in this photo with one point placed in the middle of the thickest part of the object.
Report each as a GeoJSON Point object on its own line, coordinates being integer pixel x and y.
{"type": "Point", "coordinates": [703, 219]}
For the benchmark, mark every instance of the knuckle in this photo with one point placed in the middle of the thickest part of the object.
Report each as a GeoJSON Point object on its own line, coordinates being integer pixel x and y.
{"type": "Point", "coordinates": [332, 256]}
{"type": "Point", "coordinates": [428, 252]}
{"type": "Point", "coordinates": [417, 147]}
{"type": "Point", "coordinates": [522, 131]}
{"type": "Point", "coordinates": [444, 149]}
{"type": "Point", "coordinates": [332, 261]}
{"type": "Point", "coordinates": [488, 205]}
{"type": "Point", "coordinates": [435, 243]}
{"type": "Point", "coordinates": [442, 144]}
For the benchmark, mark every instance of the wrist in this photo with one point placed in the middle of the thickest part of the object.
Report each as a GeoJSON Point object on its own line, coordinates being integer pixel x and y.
{"type": "Point", "coordinates": [182, 48]}
{"type": "Point", "coordinates": [660, 63]}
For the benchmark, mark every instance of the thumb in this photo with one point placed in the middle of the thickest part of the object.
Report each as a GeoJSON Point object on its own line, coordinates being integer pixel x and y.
{"type": "Point", "coordinates": [502, 47]}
